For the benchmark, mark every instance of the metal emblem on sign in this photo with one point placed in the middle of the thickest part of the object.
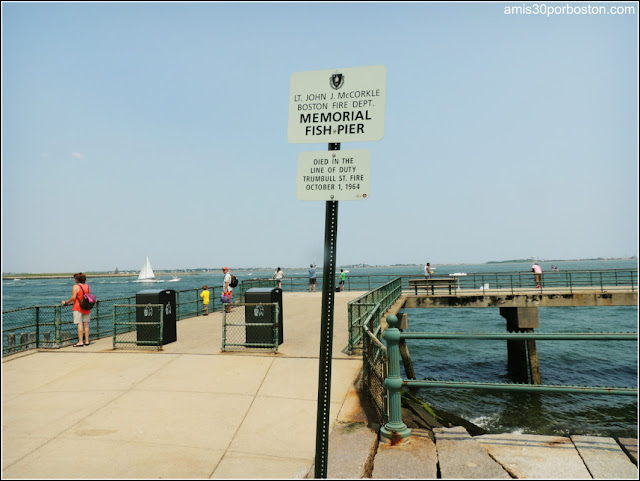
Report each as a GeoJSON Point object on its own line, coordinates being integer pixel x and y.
{"type": "Point", "coordinates": [167, 308]}
{"type": "Point", "coordinates": [336, 80]}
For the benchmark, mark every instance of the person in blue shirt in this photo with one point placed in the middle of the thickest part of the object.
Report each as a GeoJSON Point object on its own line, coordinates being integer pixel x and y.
{"type": "Point", "coordinates": [312, 277]}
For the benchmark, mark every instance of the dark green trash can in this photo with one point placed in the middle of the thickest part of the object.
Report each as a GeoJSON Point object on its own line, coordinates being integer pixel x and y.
{"type": "Point", "coordinates": [254, 314]}
{"type": "Point", "coordinates": [150, 333]}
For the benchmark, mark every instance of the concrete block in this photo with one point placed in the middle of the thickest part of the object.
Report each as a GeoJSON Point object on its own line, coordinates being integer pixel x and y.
{"type": "Point", "coordinates": [403, 321]}
{"type": "Point", "coordinates": [460, 456]}
{"type": "Point", "coordinates": [534, 456]}
{"type": "Point", "coordinates": [630, 447]}
{"type": "Point", "coordinates": [604, 458]}
{"type": "Point", "coordinates": [416, 459]}
{"type": "Point", "coordinates": [521, 317]}
{"type": "Point", "coordinates": [352, 447]}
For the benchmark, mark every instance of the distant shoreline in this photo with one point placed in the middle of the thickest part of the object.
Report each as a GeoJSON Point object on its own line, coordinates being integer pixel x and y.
{"type": "Point", "coordinates": [89, 275]}
{"type": "Point", "coordinates": [19, 276]}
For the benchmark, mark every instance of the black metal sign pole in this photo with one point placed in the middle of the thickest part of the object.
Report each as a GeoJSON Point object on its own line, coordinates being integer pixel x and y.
{"type": "Point", "coordinates": [326, 334]}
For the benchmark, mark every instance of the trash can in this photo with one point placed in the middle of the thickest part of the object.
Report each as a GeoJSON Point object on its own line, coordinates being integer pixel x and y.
{"type": "Point", "coordinates": [150, 333]}
{"type": "Point", "coordinates": [262, 334]}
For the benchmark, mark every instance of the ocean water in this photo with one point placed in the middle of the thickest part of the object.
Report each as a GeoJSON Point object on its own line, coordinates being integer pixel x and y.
{"type": "Point", "coordinates": [595, 363]}
{"type": "Point", "coordinates": [577, 363]}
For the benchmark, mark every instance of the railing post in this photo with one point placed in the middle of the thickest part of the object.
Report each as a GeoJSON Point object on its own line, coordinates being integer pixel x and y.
{"type": "Point", "coordinates": [276, 318]}
{"type": "Point", "coordinates": [37, 327]}
{"type": "Point", "coordinates": [160, 340]}
{"type": "Point", "coordinates": [57, 327]}
{"type": "Point", "coordinates": [98, 319]}
{"type": "Point", "coordinates": [395, 431]}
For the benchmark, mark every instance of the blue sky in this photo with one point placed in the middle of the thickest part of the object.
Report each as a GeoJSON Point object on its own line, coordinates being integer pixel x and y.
{"type": "Point", "coordinates": [160, 129]}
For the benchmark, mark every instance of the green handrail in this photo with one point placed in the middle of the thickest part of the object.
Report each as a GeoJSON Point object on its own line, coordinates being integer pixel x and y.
{"type": "Point", "coordinates": [396, 432]}
{"type": "Point", "coordinates": [522, 387]}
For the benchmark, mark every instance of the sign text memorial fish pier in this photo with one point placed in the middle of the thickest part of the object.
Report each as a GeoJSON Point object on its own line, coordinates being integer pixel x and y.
{"type": "Point", "coordinates": [344, 105]}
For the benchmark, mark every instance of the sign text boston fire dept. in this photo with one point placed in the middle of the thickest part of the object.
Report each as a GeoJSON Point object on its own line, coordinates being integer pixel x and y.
{"type": "Point", "coordinates": [344, 105]}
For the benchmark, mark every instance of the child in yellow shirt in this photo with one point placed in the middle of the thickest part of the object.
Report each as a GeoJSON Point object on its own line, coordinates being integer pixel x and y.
{"type": "Point", "coordinates": [205, 299]}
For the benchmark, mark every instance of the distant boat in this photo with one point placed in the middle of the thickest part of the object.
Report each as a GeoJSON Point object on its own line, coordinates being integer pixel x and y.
{"type": "Point", "coordinates": [174, 279]}
{"type": "Point", "coordinates": [146, 273]}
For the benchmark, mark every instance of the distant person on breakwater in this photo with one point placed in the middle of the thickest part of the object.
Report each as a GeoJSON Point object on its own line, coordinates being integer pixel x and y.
{"type": "Point", "coordinates": [81, 317]}
{"type": "Point", "coordinates": [205, 299]}
{"type": "Point", "coordinates": [427, 271]}
{"type": "Point", "coordinates": [279, 275]}
{"type": "Point", "coordinates": [312, 277]}
{"type": "Point", "coordinates": [537, 271]}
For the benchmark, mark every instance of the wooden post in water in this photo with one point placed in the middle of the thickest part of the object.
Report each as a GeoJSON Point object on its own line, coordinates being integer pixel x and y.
{"type": "Point", "coordinates": [534, 365]}
{"type": "Point", "coordinates": [403, 323]}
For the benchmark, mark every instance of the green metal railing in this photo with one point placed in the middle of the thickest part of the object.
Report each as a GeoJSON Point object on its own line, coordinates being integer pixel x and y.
{"type": "Point", "coordinates": [395, 431]}
{"type": "Point", "coordinates": [352, 282]}
{"type": "Point", "coordinates": [359, 310]}
{"type": "Point", "coordinates": [365, 313]}
{"type": "Point", "coordinates": [52, 326]}
{"type": "Point", "coordinates": [601, 280]}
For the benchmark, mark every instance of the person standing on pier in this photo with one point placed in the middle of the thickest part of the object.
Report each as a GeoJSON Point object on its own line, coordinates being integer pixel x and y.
{"type": "Point", "coordinates": [537, 271]}
{"type": "Point", "coordinates": [427, 271]}
{"type": "Point", "coordinates": [279, 275]}
{"type": "Point", "coordinates": [226, 288]}
{"type": "Point", "coordinates": [312, 277]}
{"type": "Point", "coordinates": [205, 299]}
{"type": "Point", "coordinates": [343, 277]}
{"type": "Point", "coordinates": [81, 317]}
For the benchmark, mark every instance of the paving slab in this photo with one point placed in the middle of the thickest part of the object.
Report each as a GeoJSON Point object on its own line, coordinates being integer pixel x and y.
{"type": "Point", "coordinates": [284, 379]}
{"type": "Point", "coordinates": [416, 459]}
{"type": "Point", "coordinates": [352, 447]}
{"type": "Point", "coordinates": [630, 447]}
{"type": "Point", "coordinates": [103, 459]}
{"type": "Point", "coordinates": [534, 456]}
{"type": "Point", "coordinates": [189, 419]}
{"type": "Point", "coordinates": [256, 466]}
{"type": "Point", "coordinates": [461, 456]}
{"type": "Point", "coordinates": [604, 458]}
{"type": "Point", "coordinates": [352, 410]}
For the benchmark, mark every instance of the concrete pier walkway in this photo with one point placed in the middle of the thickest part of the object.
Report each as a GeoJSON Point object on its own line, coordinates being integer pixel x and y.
{"type": "Point", "coordinates": [188, 411]}
{"type": "Point", "coordinates": [192, 411]}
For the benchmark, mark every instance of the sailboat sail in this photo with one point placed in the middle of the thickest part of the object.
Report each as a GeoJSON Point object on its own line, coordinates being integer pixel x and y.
{"type": "Point", "coordinates": [146, 273]}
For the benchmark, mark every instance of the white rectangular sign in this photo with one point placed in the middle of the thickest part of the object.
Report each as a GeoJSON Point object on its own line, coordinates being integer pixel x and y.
{"type": "Point", "coordinates": [342, 105]}
{"type": "Point", "coordinates": [334, 175]}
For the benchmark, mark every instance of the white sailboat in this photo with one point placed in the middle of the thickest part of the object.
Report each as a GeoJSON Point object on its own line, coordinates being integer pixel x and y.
{"type": "Point", "coordinates": [146, 273]}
